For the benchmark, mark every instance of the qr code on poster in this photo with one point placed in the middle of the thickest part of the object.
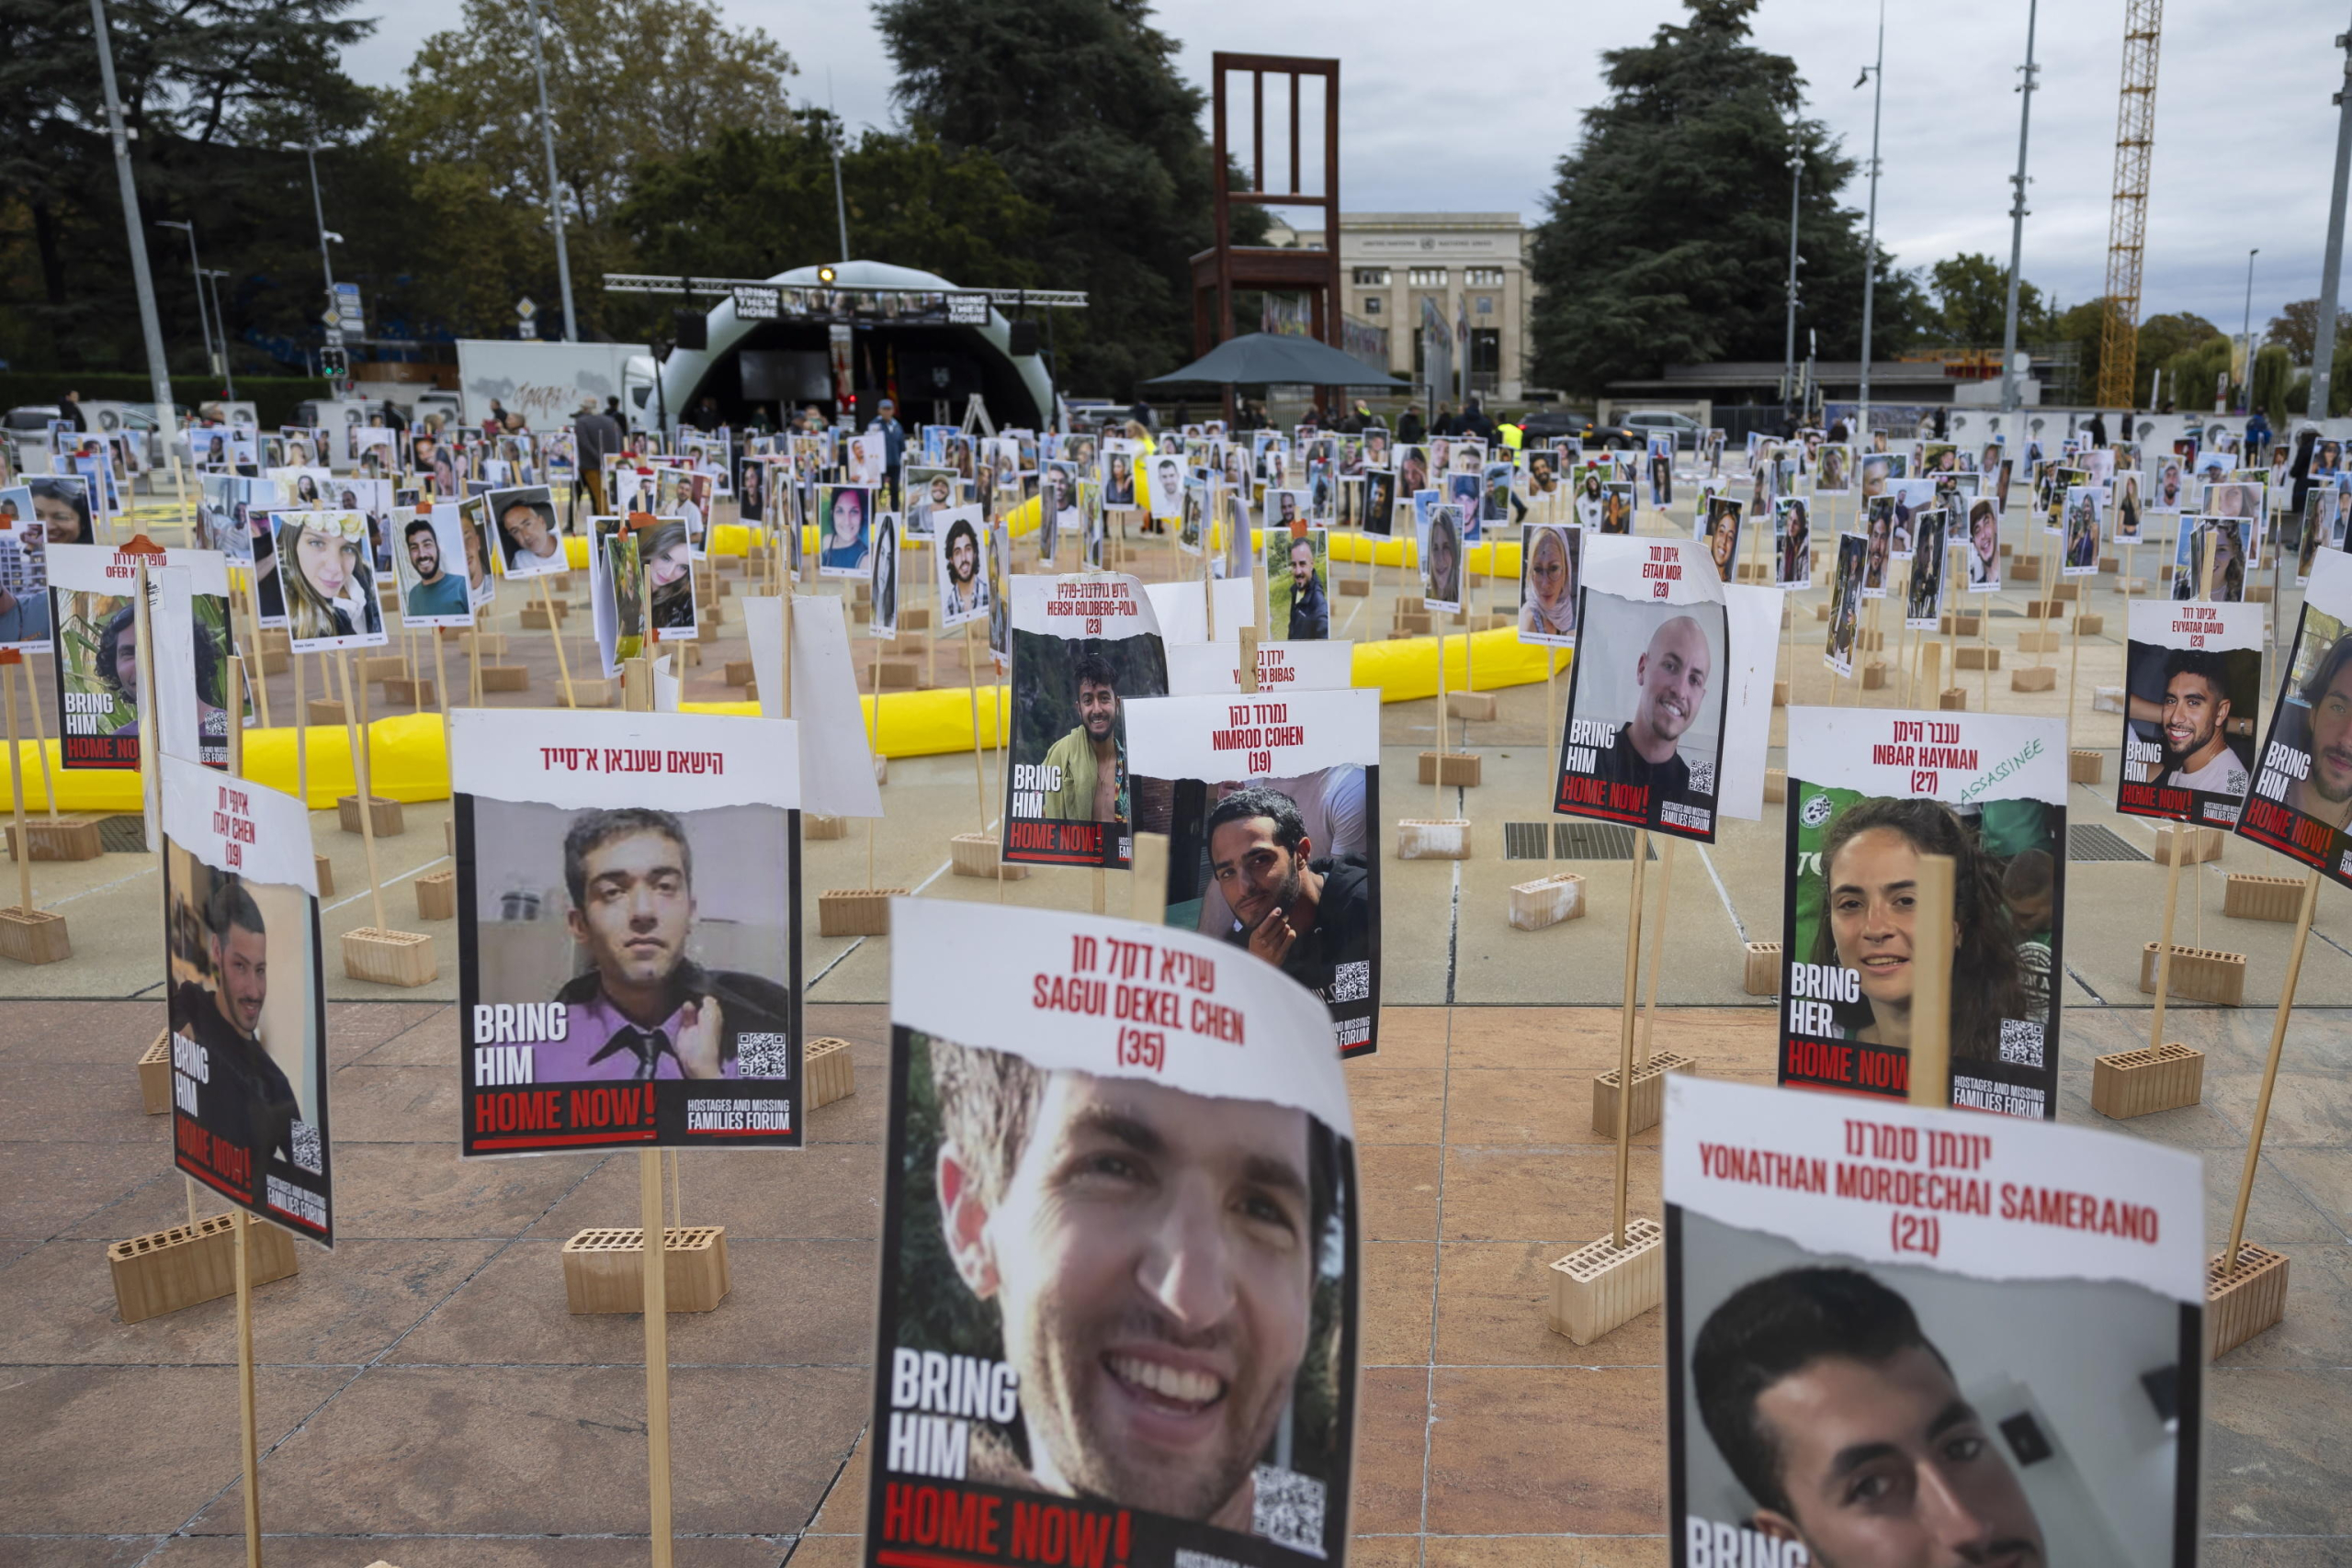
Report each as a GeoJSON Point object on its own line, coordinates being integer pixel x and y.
{"type": "Point", "coordinates": [2021, 1042]}
{"type": "Point", "coordinates": [1702, 778]}
{"type": "Point", "coordinates": [763, 1054]}
{"type": "Point", "coordinates": [310, 1151]}
{"type": "Point", "coordinates": [1289, 1509]}
{"type": "Point", "coordinates": [1352, 982]}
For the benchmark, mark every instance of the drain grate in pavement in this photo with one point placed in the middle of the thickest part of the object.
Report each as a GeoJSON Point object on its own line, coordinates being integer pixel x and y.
{"type": "Point", "coordinates": [123, 834]}
{"type": "Point", "coordinates": [2096, 840]}
{"type": "Point", "coordinates": [1593, 840]}
{"type": "Point", "coordinates": [1527, 841]}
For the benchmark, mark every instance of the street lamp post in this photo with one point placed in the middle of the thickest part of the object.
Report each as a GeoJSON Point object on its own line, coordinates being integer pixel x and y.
{"type": "Point", "coordinates": [212, 276]}
{"type": "Point", "coordinates": [2245, 327]}
{"type": "Point", "coordinates": [555, 190]}
{"type": "Point", "coordinates": [203, 318]}
{"type": "Point", "coordinates": [1788, 349]}
{"type": "Point", "coordinates": [1877, 74]}
{"type": "Point", "coordinates": [159, 373]}
{"type": "Point", "coordinates": [2331, 266]}
{"type": "Point", "coordinates": [2017, 221]}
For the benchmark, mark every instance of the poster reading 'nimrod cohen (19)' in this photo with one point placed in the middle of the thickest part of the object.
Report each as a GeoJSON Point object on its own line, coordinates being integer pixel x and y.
{"type": "Point", "coordinates": [2192, 681]}
{"type": "Point", "coordinates": [1082, 648]}
{"type": "Point", "coordinates": [1906, 1336]}
{"type": "Point", "coordinates": [1118, 1314]}
{"type": "Point", "coordinates": [243, 997]}
{"type": "Point", "coordinates": [1272, 839]}
{"type": "Point", "coordinates": [2303, 780]}
{"type": "Point", "coordinates": [1869, 792]}
{"type": "Point", "coordinates": [628, 951]}
{"type": "Point", "coordinates": [1644, 736]}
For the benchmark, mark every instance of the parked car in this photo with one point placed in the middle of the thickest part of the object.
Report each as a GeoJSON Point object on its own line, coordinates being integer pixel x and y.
{"type": "Point", "coordinates": [1649, 422]}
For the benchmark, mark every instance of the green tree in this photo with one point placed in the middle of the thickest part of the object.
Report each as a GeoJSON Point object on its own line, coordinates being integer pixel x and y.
{"type": "Point", "coordinates": [1080, 105]}
{"type": "Point", "coordinates": [752, 200]}
{"type": "Point", "coordinates": [1667, 234]}
{"type": "Point", "coordinates": [2273, 372]}
{"type": "Point", "coordinates": [2192, 373]}
{"type": "Point", "coordinates": [213, 93]}
{"type": "Point", "coordinates": [629, 83]}
{"type": "Point", "coordinates": [2297, 327]}
{"type": "Point", "coordinates": [1971, 303]}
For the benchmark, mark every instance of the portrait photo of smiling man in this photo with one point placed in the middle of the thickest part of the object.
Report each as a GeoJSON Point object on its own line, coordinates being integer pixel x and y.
{"type": "Point", "coordinates": [1645, 734]}
{"type": "Point", "coordinates": [1125, 1294]}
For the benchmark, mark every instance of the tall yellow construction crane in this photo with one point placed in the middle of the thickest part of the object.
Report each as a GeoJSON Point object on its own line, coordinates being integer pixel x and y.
{"type": "Point", "coordinates": [2127, 223]}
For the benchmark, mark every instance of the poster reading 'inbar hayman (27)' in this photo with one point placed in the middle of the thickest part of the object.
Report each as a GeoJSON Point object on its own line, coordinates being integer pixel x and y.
{"type": "Point", "coordinates": [1871, 791]}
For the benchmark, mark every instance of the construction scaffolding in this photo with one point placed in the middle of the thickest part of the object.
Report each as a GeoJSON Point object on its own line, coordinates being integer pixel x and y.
{"type": "Point", "coordinates": [2126, 224]}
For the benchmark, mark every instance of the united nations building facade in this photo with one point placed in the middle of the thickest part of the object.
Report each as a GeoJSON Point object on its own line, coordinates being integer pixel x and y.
{"type": "Point", "coordinates": [1471, 265]}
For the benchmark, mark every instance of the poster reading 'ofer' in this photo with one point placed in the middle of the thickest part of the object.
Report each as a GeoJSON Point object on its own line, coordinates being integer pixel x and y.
{"type": "Point", "coordinates": [242, 996]}
{"type": "Point", "coordinates": [2191, 683]}
{"type": "Point", "coordinates": [1869, 792]}
{"type": "Point", "coordinates": [1271, 838]}
{"type": "Point", "coordinates": [628, 954]}
{"type": "Point", "coordinates": [1644, 736]}
{"type": "Point", "coordinates": [1082, 648]}
{"type": "Point", "coordinates": [1906, 1336]}
{"type": "Point", "coordinates": [2302, 783]}
{"type": "Point", "coordinates": [1118, 1316]}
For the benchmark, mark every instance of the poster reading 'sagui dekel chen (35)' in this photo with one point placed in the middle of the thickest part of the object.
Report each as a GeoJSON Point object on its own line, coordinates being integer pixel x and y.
{"type": "Point", "coordinates": [628, 947]}
{"type": "Point", "coordinates": [1118, 1319]}
{"type": "Point", "coordinates": [1082, 648]}
{"type": "Point", "coordinates": [1869, 792]}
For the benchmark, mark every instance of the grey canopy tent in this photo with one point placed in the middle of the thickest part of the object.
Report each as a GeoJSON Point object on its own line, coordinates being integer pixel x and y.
{"type": "Point", "coordinates": [1262, 358]}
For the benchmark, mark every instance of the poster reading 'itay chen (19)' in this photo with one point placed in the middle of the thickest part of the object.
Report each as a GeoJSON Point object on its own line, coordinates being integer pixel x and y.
{"type": "Point", "coordinates": [243, 996]}
{"type": "Point", "coordinates": [1871, 791]}
{"type": "Point", "coordinates": [628, 941]}
{"type": "Point", "coordinates": [1118, 1319]}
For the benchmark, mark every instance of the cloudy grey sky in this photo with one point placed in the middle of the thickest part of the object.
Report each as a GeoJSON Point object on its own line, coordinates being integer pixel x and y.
{"type": "Point", "coordinates": [1436, 116]}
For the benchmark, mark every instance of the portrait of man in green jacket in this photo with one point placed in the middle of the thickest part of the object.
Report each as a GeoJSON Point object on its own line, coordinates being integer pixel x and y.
{"type": "Point", "coordinates": [1093, 757]}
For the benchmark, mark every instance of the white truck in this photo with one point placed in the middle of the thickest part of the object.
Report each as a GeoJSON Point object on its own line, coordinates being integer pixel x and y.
{"type": "Point", "coordinates": [546, 382]}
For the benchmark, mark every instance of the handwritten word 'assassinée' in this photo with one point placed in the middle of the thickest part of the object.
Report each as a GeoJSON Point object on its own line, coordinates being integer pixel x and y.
{"type": "Point", "coordinates": [628, 760]}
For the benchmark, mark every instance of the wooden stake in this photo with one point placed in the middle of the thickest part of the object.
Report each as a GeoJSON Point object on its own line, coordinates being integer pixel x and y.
{"type": "Point", "coordinates": [555, 630]}
{"type": "Point", "coordinates": [355, 723]}
{"type": "Point", "coordinates": [2181, 836]}
{"type": "Point", "coordinates": [260, 675]}
{"type": "Point", "coordinates": [657, 1353]}
{"type": "Point", "coordinates": [1657, 946]}
{"type": "Point", "coordinates": [17, 800]}
{"type": "Point", "coordinates": [250, 1448]}
{"type": "Point", "coordinates": [2271, 1067]}
{"type": "Point", "coordinates": [40, 740]}
{"type": "Point", "coordinates": [1625, 1030]}
{"type": "Point", "coordinates": [1929, 1072]}
{"type": "Point", "coordinates": [302, 733]}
